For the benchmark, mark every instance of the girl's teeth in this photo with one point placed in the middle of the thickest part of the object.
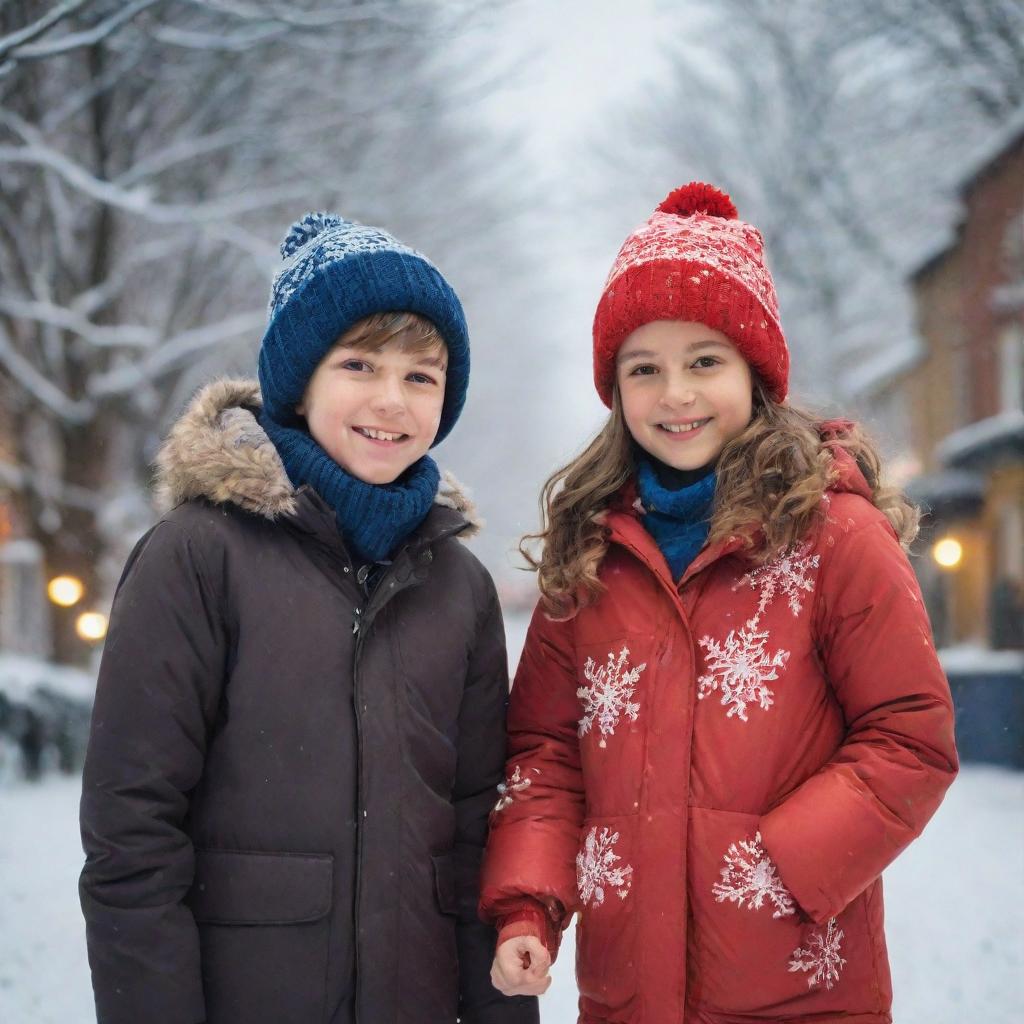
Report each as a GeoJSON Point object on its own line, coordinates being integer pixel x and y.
{"type": "Point", "coordinates": [682, 429]}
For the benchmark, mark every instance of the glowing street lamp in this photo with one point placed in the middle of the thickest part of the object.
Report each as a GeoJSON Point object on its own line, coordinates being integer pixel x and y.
{"type": "Point", "coordinates": [65, 590]}
{"type": "Point", "coordinates": [948, 552]}
{"type": "Point", "coordinates": [91, 626]}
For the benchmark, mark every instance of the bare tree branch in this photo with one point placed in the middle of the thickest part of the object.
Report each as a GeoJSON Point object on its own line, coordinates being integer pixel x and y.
{"type": "Point", "coordinates": [75, 40]}
{"type": "Point", "coordinates": [61, 405]}
{"type": "Point", "coordinates": [173, 353]}
{"type": "Point", "coordinates": [40, 26]}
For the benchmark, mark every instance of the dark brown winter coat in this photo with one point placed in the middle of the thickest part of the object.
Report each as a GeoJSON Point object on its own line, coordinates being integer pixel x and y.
{"type": "Point", "coordinates": [287, 786]}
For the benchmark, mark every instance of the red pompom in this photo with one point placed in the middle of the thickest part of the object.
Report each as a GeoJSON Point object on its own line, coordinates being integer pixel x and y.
{"type": "Point", "coordinates": [698, 197]}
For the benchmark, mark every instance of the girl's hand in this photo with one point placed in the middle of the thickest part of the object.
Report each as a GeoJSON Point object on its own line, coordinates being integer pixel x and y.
{"type": "Point", "coordinates": [520, 967]}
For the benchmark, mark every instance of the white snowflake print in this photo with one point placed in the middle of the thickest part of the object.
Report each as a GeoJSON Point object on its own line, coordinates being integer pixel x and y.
{"type": "Point", "coordinates": [596, 868]}
{"type": "Point", "coordinates": [740, 668]}
{"type": "Point", "coordinates": [821, 957]}
{"type": "Point", "coordinates": [749, 877]}
{"type": "Point", "coordinates": [515, 783]}
{"type": "Point", "coordinates": [788, 573]}
{"type": "Point", "coordinates": [607, 698]}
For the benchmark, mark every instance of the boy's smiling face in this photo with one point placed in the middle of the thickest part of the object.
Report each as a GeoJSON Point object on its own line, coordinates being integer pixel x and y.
{"type": "Point", "coordinates": [376, 412]}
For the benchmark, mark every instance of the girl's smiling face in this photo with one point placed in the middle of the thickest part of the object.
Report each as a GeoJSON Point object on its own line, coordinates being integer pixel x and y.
{"type": "Point", "coordinates": [686, 391]}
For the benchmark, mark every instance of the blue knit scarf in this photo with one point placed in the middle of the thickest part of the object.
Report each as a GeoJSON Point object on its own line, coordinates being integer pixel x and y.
{"type": "Point", "coordinates": [373, 518]}
{"type": "Point", "coordinates": [679, 520]}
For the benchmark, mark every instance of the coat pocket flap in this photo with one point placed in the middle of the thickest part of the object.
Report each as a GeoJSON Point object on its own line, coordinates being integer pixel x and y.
{"type": "Point", "coordinates": [237, 887]}
{"type": "Point", "coordinates": [444, 882]}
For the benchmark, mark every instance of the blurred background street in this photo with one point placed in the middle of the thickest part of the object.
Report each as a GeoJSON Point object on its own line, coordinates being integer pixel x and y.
{"type": "Point", "coordinates": [154, 152]}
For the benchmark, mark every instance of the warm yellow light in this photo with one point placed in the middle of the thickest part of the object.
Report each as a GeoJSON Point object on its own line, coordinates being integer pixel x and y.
{"type": "Point", "coordinates": [948, 552]}
{"type": "Point", "coordinates": [91, 626]}
{"type": "Point", "coordinates": [65, 590]}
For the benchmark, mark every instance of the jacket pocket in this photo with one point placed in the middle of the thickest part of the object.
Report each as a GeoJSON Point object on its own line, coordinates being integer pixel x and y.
{"type": "Point", "coordinates": [444, 883]}
{"type": "Point", "coordinates": [606, 970]}
{"type": "Point", "coordinates": [751, 948]}
{"type": "Point", "coordinates": [264, 931]}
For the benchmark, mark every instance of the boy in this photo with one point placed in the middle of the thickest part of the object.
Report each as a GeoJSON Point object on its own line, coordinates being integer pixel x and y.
{"type": "Point", "coordinates": [299, 722]}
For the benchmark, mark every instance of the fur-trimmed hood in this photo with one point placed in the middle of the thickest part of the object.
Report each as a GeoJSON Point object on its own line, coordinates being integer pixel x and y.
{"type": "Point", "coordinates": [217, 450]}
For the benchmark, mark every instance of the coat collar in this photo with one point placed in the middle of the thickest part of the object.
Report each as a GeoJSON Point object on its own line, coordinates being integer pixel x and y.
{"type": "Point", "coordinates": [218, 451]}
{"type": "Point", "coordinates": [623, 516]}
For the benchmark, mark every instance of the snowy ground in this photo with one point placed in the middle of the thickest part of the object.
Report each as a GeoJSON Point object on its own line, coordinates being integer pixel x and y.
{"type": "Point", "coordinates": [954, 904]}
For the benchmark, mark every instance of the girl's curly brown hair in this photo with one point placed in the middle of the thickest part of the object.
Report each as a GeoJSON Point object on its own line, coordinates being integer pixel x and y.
{"type": "Point", "coordinates": [771, 479]}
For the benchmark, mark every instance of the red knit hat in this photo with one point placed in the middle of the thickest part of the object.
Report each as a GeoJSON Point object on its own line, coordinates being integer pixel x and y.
{"type": "Point", "coordinates": [694, 260]}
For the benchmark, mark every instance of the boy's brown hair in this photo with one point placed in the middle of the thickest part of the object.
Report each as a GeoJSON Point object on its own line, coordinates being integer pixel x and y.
{"type": "Point", "coordinates": [414, 333]}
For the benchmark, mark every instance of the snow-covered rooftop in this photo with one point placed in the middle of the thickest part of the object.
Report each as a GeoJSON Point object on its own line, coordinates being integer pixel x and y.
{"type": "Point", "coordinates": [998, 143]}
{"type": "Point", "coordinates": [894, 359]}
{"type": "Point", "coordinates": [947, 487]}
{"type": "Point", "coordinates": [980, 160]}
{"type": "Point", "coordinates": [982, 437]}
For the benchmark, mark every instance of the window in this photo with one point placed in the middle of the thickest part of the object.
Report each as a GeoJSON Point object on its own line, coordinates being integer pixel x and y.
{"type": "Point", "coordinates": [1011, 369]}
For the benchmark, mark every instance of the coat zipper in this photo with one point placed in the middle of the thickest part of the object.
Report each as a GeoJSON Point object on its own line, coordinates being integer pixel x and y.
{"type": "Point", "coordinates": [385, 586]}
{"type": "Point", "coordinates": [360, 812]}
{"type": "Point", "coordinates": [676, 600]}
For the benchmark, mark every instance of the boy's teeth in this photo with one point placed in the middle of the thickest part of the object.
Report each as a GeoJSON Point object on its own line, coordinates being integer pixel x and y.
{"type": "Point", "coordinates": [681, 428]}
{"type": "Point", "coordinates": [379, 435]}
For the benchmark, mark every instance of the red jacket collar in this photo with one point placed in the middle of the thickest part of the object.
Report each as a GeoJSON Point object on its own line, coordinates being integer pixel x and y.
{"type": "Point", "coordinates": [624, 511]}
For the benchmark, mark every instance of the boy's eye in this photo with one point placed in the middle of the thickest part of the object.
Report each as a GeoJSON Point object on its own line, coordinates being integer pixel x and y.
{"type": "Point", "coordinates": [421, 378]}
{"type": "Point", "coordinates": [355, 364]}
{"type": "Point", "coordinates": [644, 370]}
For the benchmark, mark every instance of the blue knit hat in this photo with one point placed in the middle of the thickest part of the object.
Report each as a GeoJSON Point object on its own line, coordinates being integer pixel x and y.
{"type": "Point", "coordinates": [335, 273]}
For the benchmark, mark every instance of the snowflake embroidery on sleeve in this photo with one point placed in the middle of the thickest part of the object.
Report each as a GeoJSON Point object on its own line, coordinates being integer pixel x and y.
{"type": "Point", "coordinates": [607, 698]}
{"type": "Point", "coordinates": [749, 877]}
{"type": "Point", "coordinates": [596, 868]}
{"type": "Point", "coordinates": [740, 667]}
{"type": "Point", "coordinates": [821, 957]}
{"type": "Point", "coordinates": [515, 783]}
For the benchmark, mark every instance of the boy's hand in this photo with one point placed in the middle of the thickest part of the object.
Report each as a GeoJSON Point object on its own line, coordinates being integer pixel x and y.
{"type": "Point", "coordinates": [521, 967]}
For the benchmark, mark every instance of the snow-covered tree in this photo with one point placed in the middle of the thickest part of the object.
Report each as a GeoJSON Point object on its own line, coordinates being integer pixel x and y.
{"type": "Point", "coordinates": [151, 154]}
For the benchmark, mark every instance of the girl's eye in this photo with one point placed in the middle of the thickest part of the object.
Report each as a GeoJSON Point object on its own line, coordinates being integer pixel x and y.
{"type": "Point", "coordinates": [645, 370]}
{"type": "Point", "coordinates": [706, 362]}
{"type": "Point", "coordinates": [355, 364]}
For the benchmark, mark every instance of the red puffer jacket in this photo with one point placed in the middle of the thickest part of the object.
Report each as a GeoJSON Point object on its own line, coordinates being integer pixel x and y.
{"type": "Point", "coordinates": [716, 774]}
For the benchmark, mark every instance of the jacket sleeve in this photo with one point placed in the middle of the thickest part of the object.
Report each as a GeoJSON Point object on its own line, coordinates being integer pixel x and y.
{"type": "Point", "coordinates": [159, 684]}
{"type": "Point", "coordinates": [480, 760]}
{"type": "Point", "coordinates": [529, 876]}
{"type": "Point", "coordinates": [835, 834]}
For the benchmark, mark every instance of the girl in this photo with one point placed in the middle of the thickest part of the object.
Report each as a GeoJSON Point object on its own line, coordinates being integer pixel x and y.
{"type": "Point", "coordinates": [729, 717]}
